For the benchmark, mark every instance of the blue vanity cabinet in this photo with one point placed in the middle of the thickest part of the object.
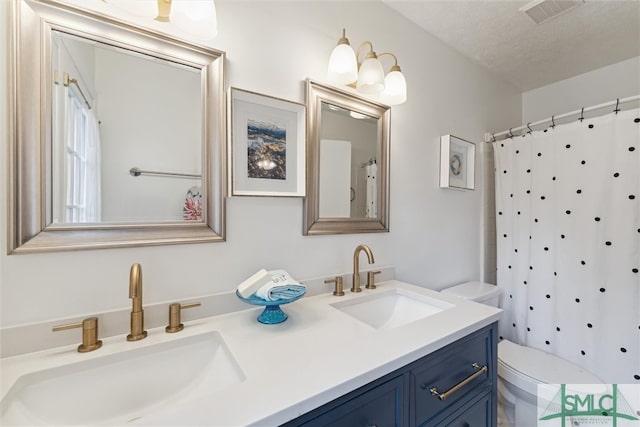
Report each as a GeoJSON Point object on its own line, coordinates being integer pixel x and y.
{"type": "Point", "coordinates": [380, 403]}
{"type": "Point", "coordinates": [405, 398]}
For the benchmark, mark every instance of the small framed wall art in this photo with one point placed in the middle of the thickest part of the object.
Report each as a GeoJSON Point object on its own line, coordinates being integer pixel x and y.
{"type": "Point", "coordinates": [457, 163]}
{"type": "Point", "coordinates": [267, 141]}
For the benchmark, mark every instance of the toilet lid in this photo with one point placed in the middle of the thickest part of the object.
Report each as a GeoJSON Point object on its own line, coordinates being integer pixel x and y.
{"type": "Point", "coordinates": [527, 367]}
{"type": "Point", "coordinates": [475, 291]}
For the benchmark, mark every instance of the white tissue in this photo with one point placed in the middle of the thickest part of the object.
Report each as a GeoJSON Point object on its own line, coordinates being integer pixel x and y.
{"type": "Point", "coordinates": [253, 283]}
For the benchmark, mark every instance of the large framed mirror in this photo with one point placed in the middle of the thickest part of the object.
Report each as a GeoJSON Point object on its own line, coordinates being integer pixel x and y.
{"type": "Point", "coordinates": [347, 162]}
{"type": "Point", "coordinates": [117, 134]}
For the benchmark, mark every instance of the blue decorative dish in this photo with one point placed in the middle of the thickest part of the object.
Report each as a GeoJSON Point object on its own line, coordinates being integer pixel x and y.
{"type": "Point", "coordinates": [272, 313]}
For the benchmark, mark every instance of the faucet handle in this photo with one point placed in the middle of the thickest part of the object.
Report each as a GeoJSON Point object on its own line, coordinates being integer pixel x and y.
{"type": "Point", "coordinates": [371, 279]}
{"type": "Point", "coordinates": [175, 312]}
{"type": "Point", "coordinates": [89, 327]}
{"type": "Point", "coordinates": [338, 291]}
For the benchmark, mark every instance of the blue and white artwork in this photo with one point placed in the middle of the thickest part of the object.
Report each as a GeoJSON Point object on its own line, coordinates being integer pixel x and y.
{"type": "Point", "coordinates": [266, 150]}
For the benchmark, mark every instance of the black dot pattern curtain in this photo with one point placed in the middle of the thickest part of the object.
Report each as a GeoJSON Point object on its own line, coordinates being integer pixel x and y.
{"type": "Point", "coordinates": [568, 232]}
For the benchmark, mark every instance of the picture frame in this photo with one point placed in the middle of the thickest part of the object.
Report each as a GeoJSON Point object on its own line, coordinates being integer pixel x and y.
{"type": "Point", "coordinates": [457, 163]}
{"type": "Point", "coordinates": [267, 145]}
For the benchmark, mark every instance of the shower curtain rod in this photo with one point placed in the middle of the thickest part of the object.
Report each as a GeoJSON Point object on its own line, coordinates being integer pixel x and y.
{"type": "Point", "coordinates": [67, 80]}
{"type": "Point", "coordinates": [491, 137]}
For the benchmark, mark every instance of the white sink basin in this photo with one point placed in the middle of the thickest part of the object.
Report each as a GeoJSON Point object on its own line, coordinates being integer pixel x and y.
{"type": "Point", "coordinates": [393, 308]}
{"type": "Point", "coordinates": [122, 387]}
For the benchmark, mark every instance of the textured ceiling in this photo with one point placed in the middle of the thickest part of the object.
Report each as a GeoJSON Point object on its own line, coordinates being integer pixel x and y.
{"type": "Point", "coordinates": [500, 37]}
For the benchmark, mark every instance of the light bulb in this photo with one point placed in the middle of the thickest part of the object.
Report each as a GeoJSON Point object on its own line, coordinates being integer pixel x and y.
{"type": "Point", "coordinates": [196, 17]}
{"type": "Point", "coordinates": [395, 88]}
{"type": "Point", "coordinates": [370, 77]}
{"type": "Point", "coordinates": [343, 67]}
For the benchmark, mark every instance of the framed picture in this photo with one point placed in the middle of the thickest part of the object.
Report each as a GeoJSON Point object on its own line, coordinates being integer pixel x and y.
{"type": "Point", "coordinates": [267, 140]}
{"type": "Point", "coordinates": [457, 160]}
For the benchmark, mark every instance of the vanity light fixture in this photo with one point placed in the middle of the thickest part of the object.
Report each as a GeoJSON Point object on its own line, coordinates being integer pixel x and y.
{"type": "Point", "coordinates": [367, 76]}
{"type": "Point", "coordinates": [194, 17]}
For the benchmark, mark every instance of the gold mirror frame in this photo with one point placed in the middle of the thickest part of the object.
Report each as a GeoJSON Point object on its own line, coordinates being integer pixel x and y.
{"type": "Point", "coordinates": [30, 227]}
{"type": "Point", "coordinates": [317, 93]}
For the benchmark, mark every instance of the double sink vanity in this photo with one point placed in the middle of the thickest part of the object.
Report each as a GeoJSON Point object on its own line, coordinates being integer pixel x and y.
{"type": "Point", "coordinates": [396, 355]}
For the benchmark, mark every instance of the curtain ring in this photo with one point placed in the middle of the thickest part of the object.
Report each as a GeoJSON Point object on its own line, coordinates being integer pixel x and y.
{"type": "Point", "coordinates": [617, 104]}
{"type": "Point", "coordinates": [529, 127]}
{"type": "Point", "coordinates": [553, 122]}
{"type": "Point", "coordinates": [510, 134]}
{"type": "Point", "coordinates": [581, 114]}
{"type": "Point", "coordinates": [493, 138]}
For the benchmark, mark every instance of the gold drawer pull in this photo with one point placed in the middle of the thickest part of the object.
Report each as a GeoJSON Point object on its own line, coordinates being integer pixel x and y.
{"type": "Point", "coordinates": [443, 396]}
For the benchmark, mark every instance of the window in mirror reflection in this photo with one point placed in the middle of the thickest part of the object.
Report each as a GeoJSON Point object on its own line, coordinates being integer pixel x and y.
{"type": "Point", "coordinates": [114, 110]}
{"type": "Point", "coordinates": [82, 186]}
{"type": "Point", "coordinates": [348, 164]}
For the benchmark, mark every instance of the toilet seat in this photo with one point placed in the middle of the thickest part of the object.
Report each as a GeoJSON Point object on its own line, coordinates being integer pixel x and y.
{"type": "Point", "coordinates": [526, 367]}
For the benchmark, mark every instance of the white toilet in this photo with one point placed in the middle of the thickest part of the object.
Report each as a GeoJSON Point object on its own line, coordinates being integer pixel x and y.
{"type": "Point", "coordinates": [520, 368]}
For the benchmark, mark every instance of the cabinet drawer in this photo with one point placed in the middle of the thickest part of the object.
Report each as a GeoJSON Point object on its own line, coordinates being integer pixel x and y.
{"type": "Point", "coordinates": [455, 372]}
{"type": "Point", "coordinates": [478, 413]}
{"type": "Point", "coordinates": [379, 406]}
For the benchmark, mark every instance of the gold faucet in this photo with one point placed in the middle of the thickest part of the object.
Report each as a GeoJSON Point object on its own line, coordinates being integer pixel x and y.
{"type": "Point", "coordinates": [137, 313]}
{"type": "Point", "coordinates": [355, 287]}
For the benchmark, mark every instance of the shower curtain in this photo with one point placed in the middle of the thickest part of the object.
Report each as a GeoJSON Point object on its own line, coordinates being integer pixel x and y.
{"type": "Point", "coordinates": [568, 232]}
{"type": "Point", "coordinates": [372, 190]}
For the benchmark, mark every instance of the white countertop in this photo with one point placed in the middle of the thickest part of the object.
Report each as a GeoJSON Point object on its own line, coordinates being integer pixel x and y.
{"type": "Point", "coordinates": [317, 355]}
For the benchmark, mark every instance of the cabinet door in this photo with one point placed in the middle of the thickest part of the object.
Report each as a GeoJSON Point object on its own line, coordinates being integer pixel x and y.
{"type": "Point", "coordinates": [477, 414]}
{"type": "Point", "coordinates": [381, 406]}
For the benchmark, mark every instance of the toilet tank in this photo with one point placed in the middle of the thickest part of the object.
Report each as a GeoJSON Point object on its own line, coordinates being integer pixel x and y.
{"type": "Point", "coordinates": [481, 292]}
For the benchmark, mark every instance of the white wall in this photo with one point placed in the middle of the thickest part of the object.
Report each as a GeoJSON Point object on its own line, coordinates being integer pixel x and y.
{"type": "Point", "coordinates": [605, 84]}
{"type": "Point", "coordinates": [436, 235]}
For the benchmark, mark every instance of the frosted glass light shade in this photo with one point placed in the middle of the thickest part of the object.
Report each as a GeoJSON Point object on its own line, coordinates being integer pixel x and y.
{"type": "Point", "coordinates": [370, 77]}
{"type": "Point", "coordinates": [196, 17]}
{"type": "Point", "coordinates": [395, 89]}
{"type": "Point", "coordinates": [192, 17]}
{"type": "Point", "coordinates": [343, 66]}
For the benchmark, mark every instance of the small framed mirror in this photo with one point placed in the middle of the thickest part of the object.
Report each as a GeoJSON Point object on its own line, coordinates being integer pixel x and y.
{"type": "Point", "coordinates": [117, 137]}
{"type": "Point", "coordinates": [347, 162]}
